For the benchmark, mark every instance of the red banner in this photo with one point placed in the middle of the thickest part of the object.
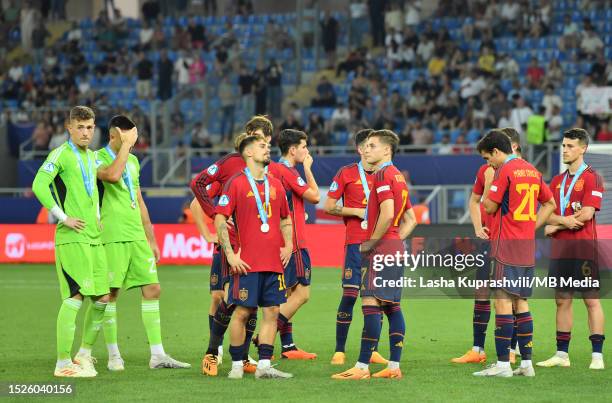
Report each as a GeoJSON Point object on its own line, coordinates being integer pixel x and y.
{"type": "Point", "coordinates": [178, 244]}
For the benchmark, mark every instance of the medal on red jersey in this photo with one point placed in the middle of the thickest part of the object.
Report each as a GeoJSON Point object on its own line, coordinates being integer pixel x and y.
{"type": "Point", "coordinates": [127, 177]}
{"type": "Point", "coordinates": [263, 216]}
{"type": "Point", "coordinates": [366, 190]}
{"type": "Point", "coordinates": [564, 198]}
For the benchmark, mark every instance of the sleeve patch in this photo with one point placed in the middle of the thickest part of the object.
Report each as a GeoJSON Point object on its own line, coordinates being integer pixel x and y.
{"type": "Point", "coordinates": [224, 200]}
{"type": "Point", "coordinates": [493, 188]}
{"type": "Point", "coordinates": [212, 170]}
{"type": "Point", "coordinates": [49, 167]}
{"type": "Point", "coordinates": [597, 194]}
{"type": "Point", "coordinates": [333, 187]}
{"type": "Point", "coordinates": [383, 188]}
{"type": "Point", "coordinates": [300, 181]}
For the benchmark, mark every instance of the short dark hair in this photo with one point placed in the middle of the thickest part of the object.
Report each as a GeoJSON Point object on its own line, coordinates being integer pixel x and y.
{"type": "Point", "coordinates": [361, 136]}
{"type": "Point", "coordinates": [495, 139]}
{"type": "Point", "coordinates": [577, 134]}
{"type": "Point", "coordinates": [80, 113]}
{"type": "Point", "coordinates": [248, 140]}
{"type": "Point", "coordinates": [514, 136]}
{"type": "Point", "coordinates": [259, 122]}
{"type": "Point", "coordinates": [290, 137]}
{"type": "Point", "coordinates": [388, 137]}
{"type": "Point", "coordinates": [121, 122]}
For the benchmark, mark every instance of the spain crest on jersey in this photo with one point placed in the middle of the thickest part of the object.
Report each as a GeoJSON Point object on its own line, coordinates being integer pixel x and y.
{"type": "Point", "coordinates": [243, 294]}
{"type": "Point", "coordinates": [348, 273]}
{"type": "Point", "coordinates": [214, 279]}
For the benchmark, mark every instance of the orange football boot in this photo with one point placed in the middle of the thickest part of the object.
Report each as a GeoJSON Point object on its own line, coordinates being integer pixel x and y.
{"type": "Point", "coordinates": [338, 359]}
{"type": "Point", "coordinates": [209, 365]}
{"type": "Point", "coordinates": [353, 373]}
{"type": "Point", "coordinates": [298, 354]}
{"type": "Point", "coordinates": [248, 367]}
{"type": "Point", "coordinates": [388, 373]}
{"type": "Point", "coordinates": [471, 357]}
{"type": "Point", "coordinates": [376, 358]}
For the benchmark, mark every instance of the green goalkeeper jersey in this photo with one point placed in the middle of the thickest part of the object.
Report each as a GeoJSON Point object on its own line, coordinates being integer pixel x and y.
{"type": "Point", "coordinates": [71, 172]}
{"type": "Point", "coordinates": [120, 210]}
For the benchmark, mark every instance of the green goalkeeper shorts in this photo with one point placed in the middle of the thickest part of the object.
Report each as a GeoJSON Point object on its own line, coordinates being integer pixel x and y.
{"type": "Point", "coordinates": [130, 264]}
{"type": "Point", "coordinates": [81, 269]}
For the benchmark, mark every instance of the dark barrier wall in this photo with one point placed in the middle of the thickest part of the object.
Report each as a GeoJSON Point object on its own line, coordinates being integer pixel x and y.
{"type": "Point", "coordinates": [423, 169]}
{"type": "Point", "coordinates": [28, 169]}
{"type": "Point", "coordinates": [24, 210]}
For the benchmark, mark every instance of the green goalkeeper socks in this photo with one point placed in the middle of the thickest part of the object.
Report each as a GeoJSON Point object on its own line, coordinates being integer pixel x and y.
{"type": "Point", "coordinates": [66, 325]}
{"type": "Point", "coordinates": [109, 326]}
{"type": "Point", "coordinates": [152, 324]}
{"type": "Point", "coordinates": [93, 322]}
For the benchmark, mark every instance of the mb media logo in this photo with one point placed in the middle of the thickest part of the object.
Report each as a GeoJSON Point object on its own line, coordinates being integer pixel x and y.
{"type": "Point", "coordinates": [15, 245]}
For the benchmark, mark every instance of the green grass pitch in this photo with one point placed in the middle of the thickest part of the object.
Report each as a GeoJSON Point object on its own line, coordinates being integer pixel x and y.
{"type": "Point", "coordinates": [436, 330]}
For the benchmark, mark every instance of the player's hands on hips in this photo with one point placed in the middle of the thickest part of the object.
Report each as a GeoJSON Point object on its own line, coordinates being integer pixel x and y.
{"type": "Point", "coordinates": [75, 223]}
{"type": "Point", "coordinates": [285, 254]}
{"type": "Point", "coordinates": [482, 233]}
{"type": "Point", "coordinates": [238, 266]}
{"type": "Point", "coordinates": [308, 162]}
{"type": "Point", "coordinates": [572, 223]}
{"type": "Point", "coordinates": [155, 250]}
{"type": "Point", "coordinates": [128, 136]}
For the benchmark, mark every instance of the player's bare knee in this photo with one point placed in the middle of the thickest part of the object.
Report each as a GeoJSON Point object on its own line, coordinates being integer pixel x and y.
{"type": "Point", "coordinates": [270, 313]}
{"type": "Point", "coordinates": [241, 314]}
{"type": "Point", "coordinates": [563, 301]}
{"type": "Point", "coordinates": [151, 291]}
{"type": "Point", "coordinates": [114, 294]}
{"type": "Point", "coordinates": [592, 304]}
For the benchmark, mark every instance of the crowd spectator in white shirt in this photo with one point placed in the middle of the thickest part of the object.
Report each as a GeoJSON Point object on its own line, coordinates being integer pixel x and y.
{"type": "Point", "coordinates": [519, 114]}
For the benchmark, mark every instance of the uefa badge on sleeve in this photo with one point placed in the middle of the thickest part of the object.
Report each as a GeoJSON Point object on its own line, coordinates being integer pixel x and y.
{"type": "Point", "coordinates": [333, 187]}
{"type": "Point", "coordinates": [212, 170]}
{"type": "Point", "coordinates": [49, 167]}
{"type": "Point", "coordinates": [224, 201]}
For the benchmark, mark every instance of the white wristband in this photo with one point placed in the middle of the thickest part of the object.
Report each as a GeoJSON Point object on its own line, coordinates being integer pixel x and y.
{"type": "Point", "coordinates": [58, 213]}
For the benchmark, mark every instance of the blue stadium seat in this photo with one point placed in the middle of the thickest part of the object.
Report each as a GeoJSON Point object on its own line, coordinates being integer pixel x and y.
{"type": "Point", "coordinates": [454, 134]}
{"type": "Point", "coordinates": [473, 136]}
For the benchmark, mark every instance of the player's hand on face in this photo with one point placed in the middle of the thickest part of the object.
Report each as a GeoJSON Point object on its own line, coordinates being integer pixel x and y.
{"type": "Point", "coordinates": [572, 223]}
{"type": "Point", "coordinates": [285, 254]}
{"type": "Point", "coordinates": [308, 161]}
{"type": "Point", "coordinates": [128, 136]}
{"type": "Point", "coordinates": [238, 265]}
{"type": "Point", "coordinates": [75, 223]}
{"type": "Point", "coordinates": [155, 250]}
{"type": "Point", "coordinates": [483, 233]}
{"type": "Point", "coordinates": [549, 230]}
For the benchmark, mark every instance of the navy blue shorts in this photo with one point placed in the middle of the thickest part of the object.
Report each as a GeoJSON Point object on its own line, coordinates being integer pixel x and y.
{"type": "Point", "coordinates": [219, 270]}
{"type": "Point", "coordinates": [384, 285]}
{"type": "Point", "coordinates": [257, 289]}
{"type": "Point", "coordinates": [351, 276]}
{"type": "Point", "coordinates": [516, 280]}
{"type": "Point", "coordinates": [566, 271]}
{"type": "Point", "coordinates": [298, 269]}
{"type": "Point", "coordinates": [484, 272]}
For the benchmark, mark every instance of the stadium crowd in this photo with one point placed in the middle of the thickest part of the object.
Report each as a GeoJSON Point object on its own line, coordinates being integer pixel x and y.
{"type": "Point", "coordinates": [442, 78]}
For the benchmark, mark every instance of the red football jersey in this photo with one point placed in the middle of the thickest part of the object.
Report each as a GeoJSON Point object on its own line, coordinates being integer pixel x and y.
{"type": "Point", "coordinates": [389, 183]}
{"type": "Point", "coordinates": [260, 250]}
{"type": "Point", "coordinates": [295, 187]}
{"type": "Point", "coordinates": [347, 186]}
{"type": "Point", "coordinates": [216, 176]}
{"type": "Point", "coordinates": [517, 188]}
{"type": "Point", "coordinates": [587, 192]}
{"type": "Point", "coordinates": [478, 189]}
